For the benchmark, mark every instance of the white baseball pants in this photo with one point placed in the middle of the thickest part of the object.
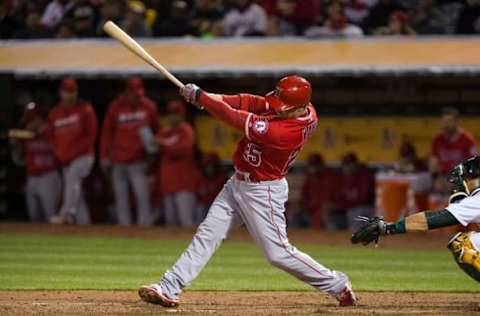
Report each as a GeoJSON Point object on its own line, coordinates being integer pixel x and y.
{"type": "Point", "coordinates": [261, 207]}
{"type": "Point", "coordinates": [43, 195]}
{"type": "Point", "coordinates": [74, 203]}
{"type": "Point", "coordinates": [134, 174]}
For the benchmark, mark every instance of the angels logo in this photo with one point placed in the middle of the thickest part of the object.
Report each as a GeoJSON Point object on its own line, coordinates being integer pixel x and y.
{"type": "Point", "coordinates": [260, 127]}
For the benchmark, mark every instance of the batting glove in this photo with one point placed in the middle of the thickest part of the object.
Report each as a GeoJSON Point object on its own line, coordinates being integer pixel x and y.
{"type": "Point", "coordinates": [191, 93]}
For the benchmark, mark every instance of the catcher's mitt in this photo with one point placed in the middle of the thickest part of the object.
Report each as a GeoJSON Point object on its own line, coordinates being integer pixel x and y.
{"type": "Point", "coordinates": [370, 231]}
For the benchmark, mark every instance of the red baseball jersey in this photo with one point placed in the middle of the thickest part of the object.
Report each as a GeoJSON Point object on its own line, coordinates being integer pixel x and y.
{"type": "Point", "coordinates": [271, 143]}
{"type": "Point", "coordinates": [120, 141]}
{"type": "Point", "coordinates": [39, 156]}
{"type": "Point", "coordinates": [72, 131]}
{"type": "Point", "coordinates": [451, 152]}
{"type": "Point", "coordinates": [178, 171]}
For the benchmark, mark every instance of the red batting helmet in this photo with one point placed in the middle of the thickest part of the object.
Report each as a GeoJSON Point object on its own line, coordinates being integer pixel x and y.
{"type": "Point", "coordinates": [291, 92]}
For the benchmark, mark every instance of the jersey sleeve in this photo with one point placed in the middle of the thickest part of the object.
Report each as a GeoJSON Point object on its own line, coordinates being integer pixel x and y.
{"type": "Point", "coordinates": [221, 110]}
{"type": "Point", "coordinates": [153, 116]}
{"type": "Point", "coordinates": [90, 127]}
{"type": "Point", "coordinates": [471, 149]}
{"type": "Point", "coordinates": [261, 129]}
{"type": "Point", "coordinates": [247, 102]}
{"type": "Point", "coordinates": [467, 210]}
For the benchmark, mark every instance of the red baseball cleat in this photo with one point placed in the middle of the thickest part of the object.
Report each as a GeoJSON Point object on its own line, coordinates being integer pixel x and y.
{"type": "Point", "coordinates": [347, 296]}
{"type": "Point", "coordinates": [153, 294]}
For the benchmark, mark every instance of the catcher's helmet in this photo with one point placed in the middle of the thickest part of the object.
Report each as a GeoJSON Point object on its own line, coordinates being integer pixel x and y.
{"type": "Point", "coordinates": [291, 92]}
{"type": "Point", "coordinates": [469, 169]}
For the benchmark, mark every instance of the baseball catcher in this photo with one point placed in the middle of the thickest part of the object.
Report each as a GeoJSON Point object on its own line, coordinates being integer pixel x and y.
{"type": "Point", "coordinates": [275, 128]}
{"type": "Point", "coordinates": [463, 208]}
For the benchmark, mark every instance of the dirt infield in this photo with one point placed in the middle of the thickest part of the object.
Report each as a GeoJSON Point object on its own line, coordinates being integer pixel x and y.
{"type": "Point", "coordinates": [235, 303]}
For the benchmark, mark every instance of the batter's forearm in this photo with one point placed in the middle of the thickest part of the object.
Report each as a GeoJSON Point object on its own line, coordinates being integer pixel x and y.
{"type": "Point", "coordinates": [219, 109]}
{"type": "Point", "coordinates": [423, 221]}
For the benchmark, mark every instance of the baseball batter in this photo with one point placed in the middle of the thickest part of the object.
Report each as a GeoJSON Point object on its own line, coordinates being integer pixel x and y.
{"type": "Point", "coordinates": [463, 208]}
{"type": "Point", "coordinates": [275, 128]}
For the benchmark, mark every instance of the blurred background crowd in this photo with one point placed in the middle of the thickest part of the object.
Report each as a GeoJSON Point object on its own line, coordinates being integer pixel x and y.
{"type": "Point", "coordinates": [66, 19]}
{"type": "Point", "coordinates": [133, 164]}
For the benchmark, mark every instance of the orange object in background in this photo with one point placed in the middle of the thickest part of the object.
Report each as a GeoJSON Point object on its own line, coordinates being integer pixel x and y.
{"type": "Point", "coordinates": [392, 198]}
{"type": "Point", "coordinates": [399, 195]}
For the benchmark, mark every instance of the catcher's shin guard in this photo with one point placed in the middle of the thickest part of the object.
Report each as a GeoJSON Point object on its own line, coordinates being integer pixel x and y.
{"type": "Point", "coordinates": [466, 256]}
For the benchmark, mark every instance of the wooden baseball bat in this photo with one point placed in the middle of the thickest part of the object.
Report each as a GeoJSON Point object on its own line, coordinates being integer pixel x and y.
{"type": "Point", "coordinates": [20, 134]}
{"type": "Point", "coordinates": [114, 31]}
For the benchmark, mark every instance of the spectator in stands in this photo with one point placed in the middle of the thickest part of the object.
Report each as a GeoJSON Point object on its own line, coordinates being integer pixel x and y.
{"type": "Point", "coordinates": [55, 12]}
{"type": "Point", "coordinates": [83, 16]}
{"type": "Point", "coordinates": [291, 17]}
{"type": "Point", "coordinates": [408, 161]}
{"type": "Point", "coordinates": [125, 149]}
{"type": "Point", "coordinates": [134, 22]}
{"type": "Point", "coordinates": [428, 18]}
{"type": "Point", "coordinates": [380, 15]}
{"type": "Point", "coordinates": [357, 190]}
{"type": "Point", "coordinates": [8, 24]}
{"type": "Point", "coordinates": [453, 145]}
{"type": "Point", "coordinates": [213, 179]}
{"type": "Point", "coordinates": [65, 30]}
{"type": "Point", "coordinates": [336, 26]}
{"type": "Point", "coordinates": [33, 28]}
{"type": "Point", "coordinates": [319, 194]}
{"type": "Point", "coordinates": [178, 171]}
{"type": "Point", "coordinates": [357, 10]}
{"type": "Point", "coordinates": [110, 11]}
{"type": "Point", "coordinates": [469, 19]}
{"type": "Point", "coordinates": [178, 23]}
{"type": "Point", "coordinates": [43, 187]}
{"type": "Point", "coordinates": [246, 18]}
{"type": "Point", "coordinates": [397, 25]}
{"type": "Point", "coordinates": [207, 18]}
{"type": "Point", "coordinates": [73, 131]}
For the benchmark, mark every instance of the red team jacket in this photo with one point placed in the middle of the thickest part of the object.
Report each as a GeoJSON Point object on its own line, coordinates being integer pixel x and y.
{"type": "Point", "coordinates": [271, 144]}
{"type": "Point", "coordinates": [178, 171]}
{"type": "Point", "coordinates": [320, 189]}
{"type": "Point", "coordinates": [120, 141]}
{"type": "Point", "coordinates": [210, 187]}
{"type": "Point", "coordinates": [451, 152]}
{"type": "Point", "coordinates": [358, 188]}
{"type": "Point", "coordinates": [39, 158]}
{"type": "Point", "coordinates": [72, 131]}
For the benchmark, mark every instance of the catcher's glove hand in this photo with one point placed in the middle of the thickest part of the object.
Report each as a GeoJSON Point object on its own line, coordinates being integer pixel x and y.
{"type": "Point", "coordinates": [370, 231]}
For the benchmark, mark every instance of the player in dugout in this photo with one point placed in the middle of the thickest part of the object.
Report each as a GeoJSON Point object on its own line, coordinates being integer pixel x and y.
{"type": "Point", "coordinates": [122, 150]}
{"type": "Point", "coordinates": [275, 128]}
{"type": "Point", "coordinates": [72, 130]}
{"type": "Point", "coordinates": [463, 208]}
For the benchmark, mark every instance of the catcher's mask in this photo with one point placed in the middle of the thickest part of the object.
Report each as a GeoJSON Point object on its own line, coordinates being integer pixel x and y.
{"type": "Point", "coordinates": [467, 170]}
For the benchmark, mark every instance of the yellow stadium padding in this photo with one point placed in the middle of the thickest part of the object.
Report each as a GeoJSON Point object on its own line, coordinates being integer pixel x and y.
{"type": "Point", "coordinates": [373, 139]}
